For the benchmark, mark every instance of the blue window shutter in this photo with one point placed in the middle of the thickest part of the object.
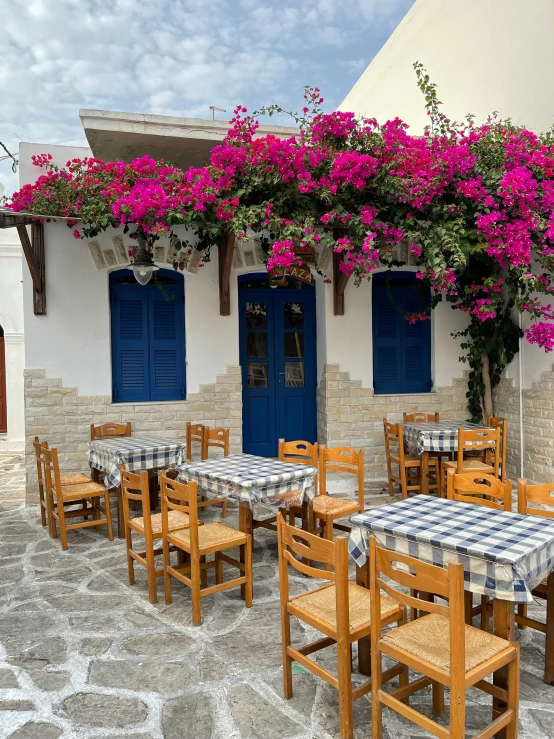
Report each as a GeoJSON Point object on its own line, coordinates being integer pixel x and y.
{"type": "Point", "coordinates": [401, 350]}
{"type": "Point", "coordinates": [131, 378]}
{"type": "Point", "coordinates": [166, 319]}
{"type": "Point", "coordinates": [387, 349]}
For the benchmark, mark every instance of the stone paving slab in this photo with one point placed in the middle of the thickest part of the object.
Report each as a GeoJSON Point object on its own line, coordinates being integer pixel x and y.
{"type": "Point", "coordinates": [83, 654]}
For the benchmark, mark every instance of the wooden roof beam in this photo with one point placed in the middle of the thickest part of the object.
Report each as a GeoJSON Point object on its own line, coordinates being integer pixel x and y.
{"type": "Point", "coordinates": [225, 256]}
{"type": "Point", "coordinates": [33, 249]}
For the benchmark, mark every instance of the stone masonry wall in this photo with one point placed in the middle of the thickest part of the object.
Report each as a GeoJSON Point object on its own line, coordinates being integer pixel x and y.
{"type": "Point", "coordinates": [63, 417]}
{"type": "Point", "coordinates": [351, 415]}
{"type": "Point", "coordinates": [538, 427]}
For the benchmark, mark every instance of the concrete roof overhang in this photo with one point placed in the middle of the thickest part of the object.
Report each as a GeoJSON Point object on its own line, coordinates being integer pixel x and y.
{"type": "Point", "coordinates": [184, 142]}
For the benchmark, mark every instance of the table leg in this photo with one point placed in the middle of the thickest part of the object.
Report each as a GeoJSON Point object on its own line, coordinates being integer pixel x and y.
{"type": "Point", "coordinates": [425, 473]}
{"type": "Point", "coordinates": [246, 526]}
{"type": "Point", "coordinates": [364, 645]}
{"type": "Point", "coordinates": [504, 627]}
{"type": "Point", "coordinates": [549, 647]}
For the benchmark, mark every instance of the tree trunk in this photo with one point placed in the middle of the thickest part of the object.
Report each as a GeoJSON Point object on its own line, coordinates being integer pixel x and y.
{"type": "Point", "coordinates": [487, 394]}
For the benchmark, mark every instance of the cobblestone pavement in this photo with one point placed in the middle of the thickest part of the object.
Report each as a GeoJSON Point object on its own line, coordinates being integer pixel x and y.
{"type": "Point", "coordinates": [12, 480]}
{"type": "Point", "coordinates": [84, 654]}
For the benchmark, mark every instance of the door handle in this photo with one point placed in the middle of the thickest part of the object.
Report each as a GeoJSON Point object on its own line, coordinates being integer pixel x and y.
{"type": "Point", "coordinates": [282, 373]}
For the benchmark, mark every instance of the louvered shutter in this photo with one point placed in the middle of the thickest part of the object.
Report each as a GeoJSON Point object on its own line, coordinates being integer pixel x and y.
{"type": "Point", "coordinates": [416, 345]}
{"type": "Point", "coordinates": [131, 377]}
{"type": "Point", "coordinates": [387, 349]}
{"type": "Point", "coordinates": [166, 344]}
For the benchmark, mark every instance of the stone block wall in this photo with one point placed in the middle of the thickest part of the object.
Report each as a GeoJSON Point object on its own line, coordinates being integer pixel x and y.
{"type": "Point", "coordinates": [506, 405]}
{"type": "Point", "coordinates": [351, 415]}
{"type": "Point", "coordinates": [63, 417]}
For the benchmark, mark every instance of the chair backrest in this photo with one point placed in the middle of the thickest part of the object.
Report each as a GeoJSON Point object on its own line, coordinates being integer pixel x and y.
{"type": "Point", "coordinates": [299, 452]}
{"type": "Point", "coordinates": [217, 438]}
{"type": "Point", "coordinates": [342, 459]}
{"type": "Point", "coordinates": [420, 417]}
{"type": "Point", "coordinates": [502, 424]}
{"type": "Point", "coordinates": [136, 487]}
{"type": "Point", "coordinates": [418, 576]}
{"type": "Point", "coordinates": [489, 491]}
{"type": "Point", "coordinates": [52, 480]}
{"type": "Point", "coordinates": [195, 433]}
{"type": "Point", "coordinates": [475, 440]}
{"type": "Point", "coordinates": [180, 496]}
{"type": "Point", "coordinates": [109, 429]}
{"type": "Point", "coordinates": [394, 441]}
{"type": "Point", "coordinates": [295, 543]}
{"type": "Point", "coordinates": [531, 496]}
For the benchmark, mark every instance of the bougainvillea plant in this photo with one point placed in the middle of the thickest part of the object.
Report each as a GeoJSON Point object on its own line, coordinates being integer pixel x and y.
{"type": "Point", "coordinates": [473, 204]}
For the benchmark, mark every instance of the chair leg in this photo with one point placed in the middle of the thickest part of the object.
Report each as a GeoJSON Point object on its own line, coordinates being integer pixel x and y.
{"type": "Point", "coordinates": [376, 686]}
{"type": "Point", "coordinates": [218, 568]}
{"type": "Point", "coordinates": [248, 573]}
{"type": "Point", "coordinates": [42, 497]}
{"type": "Point", "coordinates": [485, 615]}
{"type": "Point", "coordinates": [130, 560]}
{"type": "Point", "coordinates": [345, 690]}
{"type": "Point", "coordinates": [63, 530]}
{"type": "Point", "coordinates": [167, 576]}
{"type": "Point", "coordinates": [522, 611]}
{"type": "Point", "coordinates": [287, 661]}
{"type": "Point", "coordinates": [457, 712]}
{"type": "Point", "coordinates": [513, 696]}
{"type": "Point", "coordinates": [108, 515]}
{"type": "Point", "coordinates": [224, 509]}
{"type": "Point", "coordinates": [151, 573]}
{"type": "Point", "coordinates": [329, 533]}
{"type": "Point", "coordinates": [203, 573]}
{"type": "Point", "coordinates": [438, 699]}
{"type": "Point", "coordinates": [403, 483]}
{"type": "Point", "coordinates": [195, 589]}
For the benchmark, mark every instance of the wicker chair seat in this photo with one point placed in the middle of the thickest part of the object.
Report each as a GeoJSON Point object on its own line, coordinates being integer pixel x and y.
{"type": "Point", "coordinates": [324, 504]}
{"type": "Point", "coordinates": [75, 479]}
{"type": "Point", "coordinates": [210, 536]}
{"type": "Point", "coordinates": [428, 638]}
{"type": "Point", "coordinates": [322, 604]}
{"type": "Point", "coordinates": [175, 519]}
{"type": "Point", "coordinates": [471, 464]}
{"type": "Point", "coordinates": [411, 459]}
{"type": "Point", "coordinates": [88, 490]}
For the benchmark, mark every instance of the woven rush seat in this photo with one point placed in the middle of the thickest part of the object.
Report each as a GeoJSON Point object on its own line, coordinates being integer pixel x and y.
{"type": "Point", "coordinates": [287, 500]}
{"type": "Point", "coordinates": [322, 604]}
{"type": "Point", "coordinates": [83, 490]}
{"type": "Point", "coordinates": [324, 504]}
{"type": "Point", "coordinates": [470, 464]}
{"type": "Point", "coordinates": [209, 535]}
{"type": "Point", "coordinates": [428, 638]}
{"type": "Point", "coordinates": [407, 458]}
{"type": "Point", "coordinates": [176, 521]}
{"type": "Point", "coordinates": [75, 479]}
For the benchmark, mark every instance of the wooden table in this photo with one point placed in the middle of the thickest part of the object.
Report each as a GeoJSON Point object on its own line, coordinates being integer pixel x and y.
{"type": "Point", "coordinates": [253, 480]}
{"type": "Point", "coordinates": [505, 555]}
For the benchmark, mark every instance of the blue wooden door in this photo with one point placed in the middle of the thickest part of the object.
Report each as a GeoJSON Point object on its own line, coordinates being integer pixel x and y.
{"type": "Point", "coordinates": [278, 360]}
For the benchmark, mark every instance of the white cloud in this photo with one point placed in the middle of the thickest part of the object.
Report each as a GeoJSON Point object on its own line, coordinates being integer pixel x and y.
{"type": "Point", "coordinates": [174, 57]}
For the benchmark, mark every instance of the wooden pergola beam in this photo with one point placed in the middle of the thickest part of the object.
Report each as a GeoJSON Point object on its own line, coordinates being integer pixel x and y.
{"type": "Point", "coordinates": [340, 281]}
{"type": "Point", "coordinates": [33, 249]}
{"type": "Point", "coordinates": [225, 256]}
{"type": "Point", "coordinates": [12, 220]}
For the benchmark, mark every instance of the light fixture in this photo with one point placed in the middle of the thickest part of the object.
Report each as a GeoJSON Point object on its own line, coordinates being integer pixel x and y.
{"type": "Point", "coordinates": [143, 267]}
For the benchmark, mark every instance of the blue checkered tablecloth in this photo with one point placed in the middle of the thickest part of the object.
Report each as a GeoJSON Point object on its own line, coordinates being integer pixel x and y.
{"type": "Point", "coordinates": [435, 436]}
{"type": "Point", "coordinates": [248, 478]}
{"type": "Point", "coordinates": [505, 555]}
{"type": "Point", "coordinates": [135, 452]}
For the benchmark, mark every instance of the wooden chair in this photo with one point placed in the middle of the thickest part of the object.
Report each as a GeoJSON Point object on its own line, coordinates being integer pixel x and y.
{"type": "Point", "coordinates": [109, 429]}
{"type": "Point", "coordinates": [217, 438]}
{"type": "Point", "coordinates": [195, 434]}
{"type": "Point", "coordinates": [530, 497]}
{"type": "Point", "coordinates": [59, 495]}
{"type": "Point", "coordinates": [409, 465]}
{"type": "Point", "coordinates": [419, 417]}
{"type": "Point", "coordinates": [340, 610]}
{"type": "Point", "coordinates": [445, 651]}
{"type": "Point", "coordinates": [298, 452]}
{"type": "Point", "coordinates": [149, 526]}
{"type": "Point", "coordinates": [486, 441]}
{"type": "Point", "coordinates": [198, 542]}
{"type": "Point", "coordinates": [502, 424]}
{"type": "Point", "coordinates": [476, 487]}
{"type": "Point", "coordinates": [328, 509]}
{"type": "Point", "coordinates": [68, 479]}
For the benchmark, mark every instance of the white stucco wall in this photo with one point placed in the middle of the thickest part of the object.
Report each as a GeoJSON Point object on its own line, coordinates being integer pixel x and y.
{"type": "Point", "coordinates": [11, 320]}
{"type": "Point", "coordinates": [484, 55]}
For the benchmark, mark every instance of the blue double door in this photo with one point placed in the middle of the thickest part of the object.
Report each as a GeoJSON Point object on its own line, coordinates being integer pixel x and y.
{"type": "Point", "coordinates": [278, 360]}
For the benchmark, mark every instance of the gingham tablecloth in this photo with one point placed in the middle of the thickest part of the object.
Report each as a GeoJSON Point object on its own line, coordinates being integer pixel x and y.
{"type": "Point", "coordinates": [505, 555]}
{"type": "Point", "coordinates": [248, 478]}
{"type": "Point", "coordinates": [435, 436]}
{"type": "Point", "coordinates": [135, 452]}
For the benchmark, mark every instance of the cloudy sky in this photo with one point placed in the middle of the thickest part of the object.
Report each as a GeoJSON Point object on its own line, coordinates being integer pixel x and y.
{"type": "Point", "coordinates": [175, 57]}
